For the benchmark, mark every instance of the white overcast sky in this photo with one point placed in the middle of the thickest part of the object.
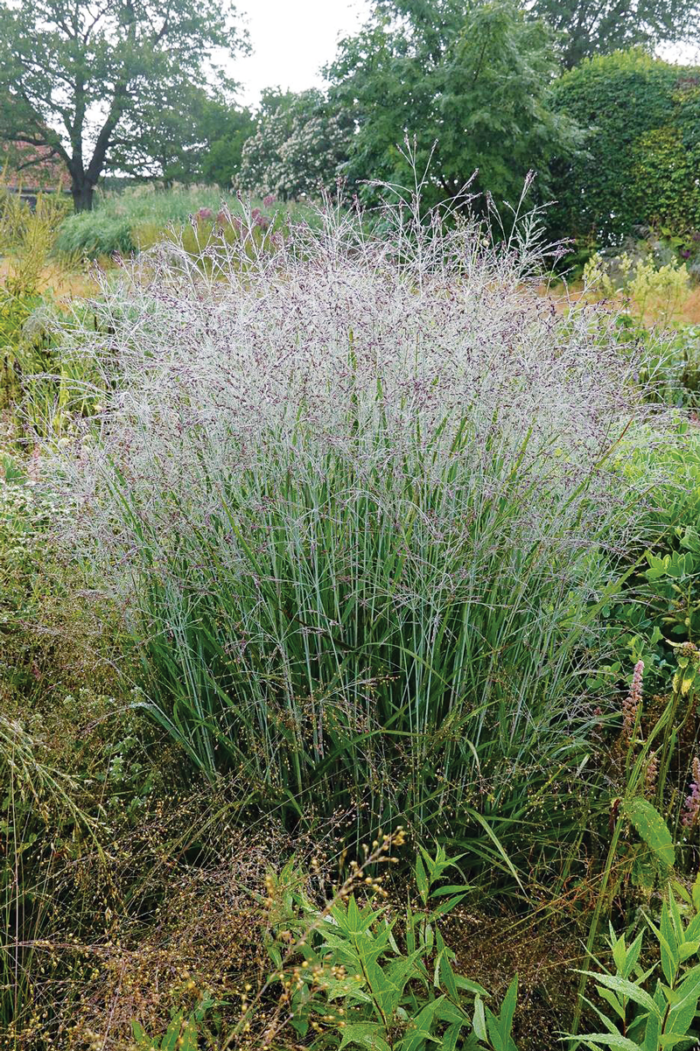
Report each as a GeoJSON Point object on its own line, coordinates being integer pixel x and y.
{"type": "Point", "coordinates": [291, 40]}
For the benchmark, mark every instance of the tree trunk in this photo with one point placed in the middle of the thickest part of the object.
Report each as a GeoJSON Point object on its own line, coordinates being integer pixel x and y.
{"type": "Point", "coordinates": [82, 191]}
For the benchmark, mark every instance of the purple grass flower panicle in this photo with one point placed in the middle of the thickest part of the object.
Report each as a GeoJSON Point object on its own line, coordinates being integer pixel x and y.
{"type": "Point", "coordinates": [631, 704]}
{"type": "Point", "coordinates": [692, 802]}
{"type": "Point", "coordinates": [361, 372]}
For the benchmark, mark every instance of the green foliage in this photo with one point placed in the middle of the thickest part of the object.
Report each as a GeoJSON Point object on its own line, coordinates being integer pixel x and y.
{"type": "Point", "coordinates": [225, 130]}
{"type": "Point", "coordinates": [660, 605]}
{"type": "Point", "coordinates": [181, 1035]}
{"type": "Point", "coordinates": [650, 290]}
{"type": "Point", "coordinates": [664, 164]}
{"type": "Point", "coordinates": [590, 29]}
{"type": "Point", "coordinates": [673, 365]}
{"type": "Point", "coordinates": [652, 829]}
{"type": "Point", "coordinates": [95, 233]}
{"type": "Point", "coordinates": [192, 138]}
{"type": "Point", "coordinates": [649, 747]}
{"type": "Point", "coordinates": [651, 1012]}
{"type": "Point", "coordinates": [462, 722]}
{"type": "Point", "coordinates": [128, 62]}
{"type": "Point", "coordinates": [667, 603]}
{"type": "Point", "coordinates": [474, 79]}
{"type": "Point", "coordinates": [27, 336]}
{"type": "Point", "coordinates": [642, 151]}
{"type": "Point", "coordinates": [367, 980]}
{"type": "Point", "coordinates": [114, 225]}
{"type": "Point", "coordinates": [28, 236]}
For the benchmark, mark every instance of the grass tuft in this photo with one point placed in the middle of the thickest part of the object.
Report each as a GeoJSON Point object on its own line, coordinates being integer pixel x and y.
{"type": "Point", "coordinates": [358, 499]}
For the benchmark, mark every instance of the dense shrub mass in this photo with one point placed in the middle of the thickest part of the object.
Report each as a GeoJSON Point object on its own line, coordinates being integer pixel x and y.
{"type": "Point", "coordinates": [642, 152]}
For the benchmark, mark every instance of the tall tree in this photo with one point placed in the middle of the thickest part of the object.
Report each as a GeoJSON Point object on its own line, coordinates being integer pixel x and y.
{"type": "Point", "coordinates": [81, 75]}
{"type": "Point", "coordinates": [473, 76]}
{"type": "Point", "coordinates": [593, 27]}
{"type": "Point", "coordinates": [192, 138]}
{"type": "Point", "coordinates": [226, 130]}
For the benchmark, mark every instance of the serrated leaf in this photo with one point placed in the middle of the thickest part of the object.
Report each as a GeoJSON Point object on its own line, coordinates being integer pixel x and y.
{"type": "Point", "coordinates": [508, 1006]}
{"type": "Point", "coordinates": [619, 951]}
{"type": "Point", "coordinates": [447, 977]}
{"type": "Point", "coordinates": [450, 890]}
{"type": "Point", "coordinates": [446, 906]}
{"type": "Point", "coordinates": [610, 997]}
{"type": "Point", "coordinates": [682, 1015]}
{"type": "Point", "coordinates": [633, 955]}
{"type": "Point", "coordinates": [688, 949]}
{"type": "Point", "coordinates": [450, 1037]}
{"type": "Point", "coordinates": [667, 954]}
{"type": "Point", "coordinates": [669, 948]}
{"type": "Point", "coordinates": [423, 1023]}
{"type": "Point", "coordinates": [422, 880]}
{"type": "Point", "coordinates": [140, 1036]}
{"type": "Point", "coordinates": [469, 986]}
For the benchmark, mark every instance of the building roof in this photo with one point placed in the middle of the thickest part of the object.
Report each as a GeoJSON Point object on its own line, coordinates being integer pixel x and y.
{"type": "Point", "coordinates": [45, 172]}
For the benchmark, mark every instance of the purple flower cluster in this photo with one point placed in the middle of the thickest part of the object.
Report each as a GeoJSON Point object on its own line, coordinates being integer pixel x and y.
{"type": "Point", "coordinates": [224, 219]}
{"type": "Point", "coordinates": [260, 220]}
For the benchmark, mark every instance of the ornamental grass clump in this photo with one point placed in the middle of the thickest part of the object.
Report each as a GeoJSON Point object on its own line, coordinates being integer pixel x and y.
{"type": "Point", "coordinates": [354, 498]}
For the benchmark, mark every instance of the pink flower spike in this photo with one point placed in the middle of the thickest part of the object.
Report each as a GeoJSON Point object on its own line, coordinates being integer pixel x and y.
{"type": "Point", "coordinates": [630, 706]}
{"type": "Point", "coordinates": [692, 802]}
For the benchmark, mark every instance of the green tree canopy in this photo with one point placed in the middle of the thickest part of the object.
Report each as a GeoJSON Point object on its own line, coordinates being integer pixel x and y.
{"type": "Point", "coordinates": [642, 166]}
{"type": "Point", "coordinates": [192, 138]}
{"type": "Point", "coordinates": [87, 77]}
{"type": "Point", "coordinates": [591, 27]}
{"type": "Point", "coordinates": [474, 77]}
{"type": "Point", "coordinates": [226, 130]}
{"type": "Point", "coordinates": [299, 146]}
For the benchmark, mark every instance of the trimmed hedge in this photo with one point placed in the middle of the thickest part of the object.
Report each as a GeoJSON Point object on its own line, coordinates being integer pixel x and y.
{"type": "Point", "coordinates": [642, 162]}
